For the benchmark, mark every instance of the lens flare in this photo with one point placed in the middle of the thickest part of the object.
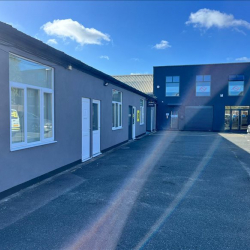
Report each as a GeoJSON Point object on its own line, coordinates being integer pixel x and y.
{"type": "Point", "coordinates": [105, 231]}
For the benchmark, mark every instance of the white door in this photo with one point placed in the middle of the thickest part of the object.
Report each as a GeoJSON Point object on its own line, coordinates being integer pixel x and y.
{"type": "Point", "coordinates": [133, 122]}
{"type": "Point", "coordinates": [96, 128]}
{"type": "Point", "coordinates": [85, 129]}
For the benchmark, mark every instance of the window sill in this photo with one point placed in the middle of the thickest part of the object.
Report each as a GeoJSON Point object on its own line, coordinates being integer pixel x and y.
{"type": "Point", "coordinates": [203, 96]}
{"type": "Point", "coordinates": [141, 123]}
{"type": "Point", "coordinates": [31, 146]}
{"type": "Point", "coordinates": [172, 96]}
{"type": "Point", "coordinates": [116, 128]}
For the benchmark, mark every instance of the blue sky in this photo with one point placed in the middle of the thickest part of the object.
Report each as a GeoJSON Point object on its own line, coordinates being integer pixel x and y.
{"type": "Point", "coordinates": [133, 36]}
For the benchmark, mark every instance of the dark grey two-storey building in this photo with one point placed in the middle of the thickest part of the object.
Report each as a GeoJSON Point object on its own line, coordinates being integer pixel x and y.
{"type": "Point", "coordinates": [211, 97]}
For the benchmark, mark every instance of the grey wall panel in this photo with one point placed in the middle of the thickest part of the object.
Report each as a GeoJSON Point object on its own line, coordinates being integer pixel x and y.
{"type": "Point", "coordinates": [198, 118]}
{"type": "Point", "coordinates": [70, 86]}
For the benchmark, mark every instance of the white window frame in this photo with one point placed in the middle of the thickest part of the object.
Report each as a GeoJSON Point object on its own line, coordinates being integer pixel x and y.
{"type": "Point", "coordinates": [119, 109]}
{"type": "Point", "coordinates": [142, 108]}
{"type": "Point", "coordinates": [42, 91]}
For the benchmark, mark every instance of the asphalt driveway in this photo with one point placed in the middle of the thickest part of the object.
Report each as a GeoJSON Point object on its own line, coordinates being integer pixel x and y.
{"type": "Point", "coordinates": [168, 190]}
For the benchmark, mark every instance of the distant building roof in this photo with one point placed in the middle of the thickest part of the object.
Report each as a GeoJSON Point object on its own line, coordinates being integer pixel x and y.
{"type": "Point", "coordinates": [143, 83]}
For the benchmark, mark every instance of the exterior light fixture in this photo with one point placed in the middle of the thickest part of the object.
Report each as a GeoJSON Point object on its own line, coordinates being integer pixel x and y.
{"type": "Point", "coordinates": [105, 84]}
{"type": "Point", "coordinates": [70, 67]}
{"type": "Point", "coordinates": [158, 87]}
{"type": "Point", "coordinates": [221, 95]}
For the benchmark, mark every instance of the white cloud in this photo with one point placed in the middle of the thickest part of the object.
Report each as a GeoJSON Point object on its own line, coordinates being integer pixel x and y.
{"type": "Point", "coordinates": [162, 45]}
{"type": "Point", "coordinates": [135, 59]}
{"type": "Point", "coordinates": [243, 59]}
{"type": "Point", "coordinates": [104, 57]}
{"type": "Point", "coordinates": [206, 18]}
{"type": "Point", "coordinates": [68, 28]}
{"type": "Point", "coordinates": [52, 42]}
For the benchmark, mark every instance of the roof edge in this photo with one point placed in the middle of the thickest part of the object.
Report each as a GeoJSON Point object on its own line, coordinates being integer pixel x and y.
{"type": "Point", "coordinates": [134, 75]}
{"type": "Point", "coordinates": [200, 64]}
{"type": "Point", "coordinates": [14, 37]}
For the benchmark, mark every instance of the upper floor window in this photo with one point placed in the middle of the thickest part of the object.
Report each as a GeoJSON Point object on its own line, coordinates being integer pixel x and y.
{"type": "Point", "coordinates": [116, 109]}
{"type": "Point", "coordinates": [32, 103]}
{"type": "Point", "coordinates": [236, 85]}
{"type": "Point", "coordinates": [203, 85]}
{"type": "Point", "coordinates": [172, 86]}
{"type": "Point", "coordinates": [142, 105]}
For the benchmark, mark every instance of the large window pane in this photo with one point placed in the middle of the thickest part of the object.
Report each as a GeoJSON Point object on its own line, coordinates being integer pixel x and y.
{"type": "Point", "coordinates": [17, 115]}
{"type": "Point", "coordinates": [48, 121]}
{"type": "Point", "coordinates": [172, 85]}
{"type": "Point", "coordinates": [31, 102]}
{"type": "Point", "coordinates": [120, 117]}
{"type": "Point", "coordinates": [172, 89]}
{"type": "Point", "coordinates": [203, 89]}
{"type": "Point", "coordinates": [113, 115]}
{"type": "Point", "coordinates": [116, 108]}
{"type": "Point", "coordinates": [95, 116]}
{"type": "Point", "coordinates": [33, 115]}
{"type": "Point", "coordinates": [227, 119]}
{"type": "Point", "coordinates": [244, 119]}
{"type": "Point", "coordinates": [116, 96]}
{"type": "Point", "coordinates": [203, 85]}
{"type": "Point", "coordinates": [236, 88]}
{"type": "Point", "coordinates": [27, 72]}
{"type": "Point", "coordinates": [116, 115]}
{"type": "Point", "coordinates": [235, 119]}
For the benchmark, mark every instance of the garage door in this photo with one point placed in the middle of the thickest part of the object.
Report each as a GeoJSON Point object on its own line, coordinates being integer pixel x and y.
{"type": "Point", "coordinates": [199, 118]}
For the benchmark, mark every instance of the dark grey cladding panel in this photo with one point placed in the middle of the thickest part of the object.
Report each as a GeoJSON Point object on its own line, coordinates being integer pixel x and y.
{"type": "Point", "coordinates": [199, 118]}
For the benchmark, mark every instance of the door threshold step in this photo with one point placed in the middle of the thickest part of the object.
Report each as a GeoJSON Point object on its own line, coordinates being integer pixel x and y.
{"type": "Point", "coordinates": [96, 154]}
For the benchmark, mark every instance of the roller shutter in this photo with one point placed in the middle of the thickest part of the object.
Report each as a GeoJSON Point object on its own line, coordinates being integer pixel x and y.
{"type": "Point", "coordinates": [199, 118]}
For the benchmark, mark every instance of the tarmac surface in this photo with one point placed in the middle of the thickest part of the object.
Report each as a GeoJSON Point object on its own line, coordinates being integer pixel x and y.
{"type": "Point", "coordinates": [167, 190]}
